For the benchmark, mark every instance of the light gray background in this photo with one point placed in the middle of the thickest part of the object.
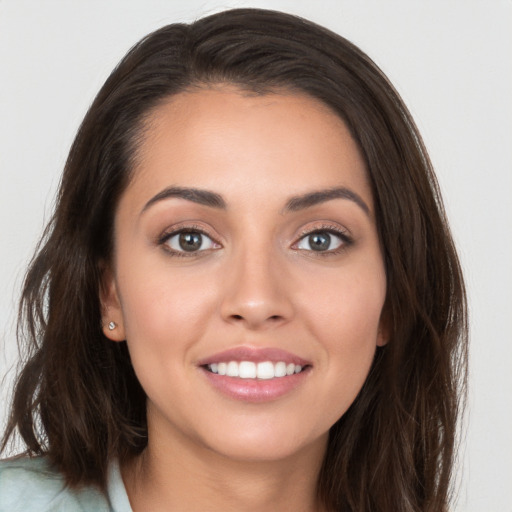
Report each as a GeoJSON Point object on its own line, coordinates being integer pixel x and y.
{"type": "Point", "coordinates": [451, 62]}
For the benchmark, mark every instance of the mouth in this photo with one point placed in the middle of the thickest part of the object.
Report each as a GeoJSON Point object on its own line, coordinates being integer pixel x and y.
{"type": "Point", "coordinates": [255, 375]}
{"type": "Point", "coordinates": [264, 370]}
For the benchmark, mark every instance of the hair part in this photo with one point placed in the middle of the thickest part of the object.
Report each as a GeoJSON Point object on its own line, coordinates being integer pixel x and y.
{"type": "Point", "coordinates": [77, 399]}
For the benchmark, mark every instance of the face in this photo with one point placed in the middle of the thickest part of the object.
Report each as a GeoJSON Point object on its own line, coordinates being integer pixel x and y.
{"type": "Point", "coordinates": [247, 279]}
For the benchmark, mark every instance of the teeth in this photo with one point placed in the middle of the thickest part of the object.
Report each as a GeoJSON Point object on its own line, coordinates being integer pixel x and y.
{"type": "Point", "coordinates": [250, 370]}
{"type": "Point", "coordinates": [265, 370]}
{"type": "Point", "coordinates": [246, 370]}
{"type": "Point", "coordinates": [232, 369]}
{"type": "Point", "coordinates": [280, 369]}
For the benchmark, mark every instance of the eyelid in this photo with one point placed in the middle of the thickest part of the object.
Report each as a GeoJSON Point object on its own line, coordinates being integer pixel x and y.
{"type": "Point", "coordinates": [175, 230]}
{"type": "Point", "coordinates": [172, 231]}
{"type": "Point", "coordinates": [331, 229]}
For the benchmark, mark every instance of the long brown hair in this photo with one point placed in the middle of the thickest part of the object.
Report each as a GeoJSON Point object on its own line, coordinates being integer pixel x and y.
{"type": "Point", "coordinates": [77, 399]}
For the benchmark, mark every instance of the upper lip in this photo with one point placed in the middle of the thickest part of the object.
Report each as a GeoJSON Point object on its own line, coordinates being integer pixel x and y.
{"type": "Point", "coordinates": [256, 355]}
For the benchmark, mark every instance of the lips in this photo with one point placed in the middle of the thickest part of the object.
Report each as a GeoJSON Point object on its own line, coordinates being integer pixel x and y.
{"type": "Point", "coordinates": [256, 355]}
{"type": "Point", "coordinates": [253, 374]}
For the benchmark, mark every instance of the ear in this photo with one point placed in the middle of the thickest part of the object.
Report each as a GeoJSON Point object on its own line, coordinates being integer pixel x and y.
{"type": "Point", "coordinates": [111, 312]}
{"type": "Point", "coordinates": [384, 332]}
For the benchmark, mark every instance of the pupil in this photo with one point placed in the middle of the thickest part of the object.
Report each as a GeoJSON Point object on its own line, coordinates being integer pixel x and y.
{"type": "Point", "coordinates": [319, 241]}
{"type": "Point", "coordinates": [190, 241]}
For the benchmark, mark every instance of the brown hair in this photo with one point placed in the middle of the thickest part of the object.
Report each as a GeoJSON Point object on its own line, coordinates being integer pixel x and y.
{"type": "Point", "coordinates": [77, 399]}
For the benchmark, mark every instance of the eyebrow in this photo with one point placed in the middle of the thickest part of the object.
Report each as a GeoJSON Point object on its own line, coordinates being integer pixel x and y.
{"type": "Point", "coordinates": [199, 196]}
{"type": "Point", "coordinates": [294, 204]}
{"type": "Point", "coordinates": [321, 196]}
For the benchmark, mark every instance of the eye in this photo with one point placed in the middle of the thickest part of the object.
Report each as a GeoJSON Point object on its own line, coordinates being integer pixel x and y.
{"type": "Point", "coordinates": [189, 241]}
{"type": "Point", "coordinates": [322, 241]}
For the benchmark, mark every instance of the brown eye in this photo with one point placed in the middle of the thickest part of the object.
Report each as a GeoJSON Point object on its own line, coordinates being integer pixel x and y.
{"type": "Point", "coordinates": [190, 241]}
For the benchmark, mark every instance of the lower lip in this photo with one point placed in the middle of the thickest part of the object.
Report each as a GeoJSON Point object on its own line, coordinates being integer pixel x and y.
{"type": "Point", "coordinates": [256, 390]}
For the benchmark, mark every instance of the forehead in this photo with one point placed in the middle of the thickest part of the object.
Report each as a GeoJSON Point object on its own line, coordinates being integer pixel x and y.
{"type": "Point", "coordinates": [231, 141]}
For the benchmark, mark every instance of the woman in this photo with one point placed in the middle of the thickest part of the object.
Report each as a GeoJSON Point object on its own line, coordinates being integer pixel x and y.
{"type": "Point", "coordinates": [248, 296]}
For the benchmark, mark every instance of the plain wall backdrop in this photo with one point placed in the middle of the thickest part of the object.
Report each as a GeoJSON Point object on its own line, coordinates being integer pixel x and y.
{"type": "Point", "coordinates": [450, 60]}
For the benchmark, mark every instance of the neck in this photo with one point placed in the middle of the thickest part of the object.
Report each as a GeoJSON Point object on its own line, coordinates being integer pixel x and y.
{"type": "Point", "coordinates": [182, 476]}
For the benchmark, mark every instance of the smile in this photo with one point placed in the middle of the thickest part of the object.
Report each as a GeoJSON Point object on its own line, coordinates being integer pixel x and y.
{"type": "Point", "coordinates": [256, 375]}
{"type": "Point", "coordinates": [250, 370]}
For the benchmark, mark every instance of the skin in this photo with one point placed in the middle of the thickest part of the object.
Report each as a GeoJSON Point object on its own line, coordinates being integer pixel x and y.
{"type": "Point", "coordinates": [258, 284]}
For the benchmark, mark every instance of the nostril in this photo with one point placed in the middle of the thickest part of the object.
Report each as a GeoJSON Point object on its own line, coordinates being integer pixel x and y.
{"type": "Point", "coordinates": [273, 318]}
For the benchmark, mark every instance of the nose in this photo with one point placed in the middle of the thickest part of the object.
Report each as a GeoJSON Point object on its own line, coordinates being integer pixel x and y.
{"type": "Point", "coordinates": [256, 292]}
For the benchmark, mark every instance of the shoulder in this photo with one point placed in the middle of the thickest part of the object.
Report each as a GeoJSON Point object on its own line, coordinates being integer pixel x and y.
{"type": "Point", "coordinates": [30, 484]}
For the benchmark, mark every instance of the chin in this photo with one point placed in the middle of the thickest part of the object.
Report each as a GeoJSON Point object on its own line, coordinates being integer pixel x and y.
{"type": "Point", "coordinates": [267, 444]}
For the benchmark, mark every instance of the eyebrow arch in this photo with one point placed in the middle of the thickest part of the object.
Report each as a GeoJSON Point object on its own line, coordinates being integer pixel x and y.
{"type": "Point", "coordinates": [204, 197]}
{"type": "Point", "coordinates": [296, 203]}
{"type": "Point", "coordinates": [321, 196]}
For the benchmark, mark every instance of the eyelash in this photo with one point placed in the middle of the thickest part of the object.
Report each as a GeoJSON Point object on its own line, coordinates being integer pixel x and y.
{"type": "Point", "coordinates": [347, 241]}
{"type": "Point", "coordinates": [167, 235]}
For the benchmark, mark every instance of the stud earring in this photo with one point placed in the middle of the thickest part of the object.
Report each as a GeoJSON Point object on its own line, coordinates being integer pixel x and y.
{"type": "Point", "coordinates": [112, 326]}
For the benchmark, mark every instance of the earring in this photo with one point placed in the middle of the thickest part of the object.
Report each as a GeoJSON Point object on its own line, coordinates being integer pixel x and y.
{"type": "Point", "coordinates": [112, 326]}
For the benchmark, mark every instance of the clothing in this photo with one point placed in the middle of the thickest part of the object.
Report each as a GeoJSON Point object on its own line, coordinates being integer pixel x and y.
{"type": "Point", "coordinates": [30, 485]}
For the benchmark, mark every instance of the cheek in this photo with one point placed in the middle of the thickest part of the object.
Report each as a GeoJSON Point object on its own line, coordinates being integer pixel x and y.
{"type": "Point", "coordinates": [347, 306]}
{"type": "Point", "coordinates": [163, 310]}
{"type": "Point", "coordinates": [344, 316]}
{"type": "Point", "coordinates": [164, 316]}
